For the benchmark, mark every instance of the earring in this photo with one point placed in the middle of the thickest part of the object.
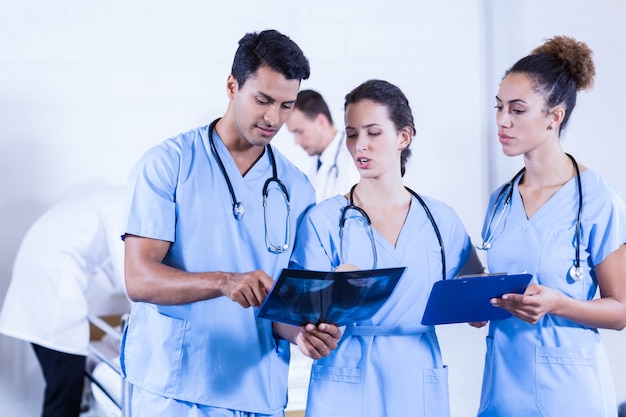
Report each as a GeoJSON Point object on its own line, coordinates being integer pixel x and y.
{"type": "Point", "coordinates": [549, 127]}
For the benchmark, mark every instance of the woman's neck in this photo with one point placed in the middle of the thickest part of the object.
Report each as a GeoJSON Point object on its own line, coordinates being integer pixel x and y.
{"type": "Point", "coordinates": [376, 193]}
{"type": "Point", "coordinates": [387, 205]}
{"type": "Point", "coordinates": [547, 170]}
{"type": "Point", "coordinates": [543, 178]}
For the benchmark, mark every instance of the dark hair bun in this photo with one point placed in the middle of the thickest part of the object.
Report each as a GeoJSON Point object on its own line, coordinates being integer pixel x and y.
{"type": "Point", "coordinates": [577, 58]}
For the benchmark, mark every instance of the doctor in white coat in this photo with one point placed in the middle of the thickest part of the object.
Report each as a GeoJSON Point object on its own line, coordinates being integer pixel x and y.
{"type": "Point", "coordinates": [333, 171]}
{"type": "Point", "coordinates": [68, 265]}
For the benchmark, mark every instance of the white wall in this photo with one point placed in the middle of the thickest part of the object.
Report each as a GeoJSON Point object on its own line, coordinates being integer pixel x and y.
{"type": "Point", "coordinates": [87, 87]}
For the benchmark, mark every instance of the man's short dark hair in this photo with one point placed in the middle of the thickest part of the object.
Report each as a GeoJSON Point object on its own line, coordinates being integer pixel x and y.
{"type": "Point", "coordinates": [273, 49]}
{"type": "Point", "coordinates": [311, 103]}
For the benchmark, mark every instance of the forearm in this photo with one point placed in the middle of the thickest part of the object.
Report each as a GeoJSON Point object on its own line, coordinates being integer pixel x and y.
{"type": "Point", "coordinates": [609, 311]}
{"type": "Point", "coordinates": [604, 313]}
{"type": "Point", "coordinates": [286, 331]}
{"type": "Point", "coordinates": [148, 279]}
{"type": "Point", "coordinates": [160, 284]}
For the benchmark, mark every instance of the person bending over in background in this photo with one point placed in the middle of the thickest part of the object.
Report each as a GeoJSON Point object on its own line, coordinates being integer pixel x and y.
{"type": "Point", "coordinates": [68, 265]}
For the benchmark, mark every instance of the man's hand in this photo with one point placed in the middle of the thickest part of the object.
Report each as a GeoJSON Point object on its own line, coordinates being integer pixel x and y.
{"type": "Point", "coordinates": [248, 289]}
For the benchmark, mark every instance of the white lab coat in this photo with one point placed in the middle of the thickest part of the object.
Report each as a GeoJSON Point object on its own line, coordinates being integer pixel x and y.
{"type": "Point", "coordinates": [70, 263]}
{"type": "Point", "coordinates": [337, 174]}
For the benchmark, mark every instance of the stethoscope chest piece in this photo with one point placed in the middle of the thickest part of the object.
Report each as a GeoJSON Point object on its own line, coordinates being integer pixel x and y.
{"type": "Point", "coordinates": [576, 273]}
{"type": "Point", "coordinates": [238, 207]}
{"type": "Point", "coordinates": [238, 210]}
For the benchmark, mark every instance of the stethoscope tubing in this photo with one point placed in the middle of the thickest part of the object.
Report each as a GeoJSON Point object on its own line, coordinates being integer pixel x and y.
{"type": "Point", "coordinates": [352, 206]}
{"type": "Point", "coordinates": [332, 175]}
{"type": "Point", "coordinates": [238, 207]}
{"type": "Point", "coordinates": [575, 271]}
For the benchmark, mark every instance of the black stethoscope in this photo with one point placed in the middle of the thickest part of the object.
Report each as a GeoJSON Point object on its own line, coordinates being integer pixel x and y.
{"type": "Point", "coordinates": [352, 206]}
{"type": "Point", "coordinates": [238, 207]}
{"type": "Point", "coordinates": [576, 272]}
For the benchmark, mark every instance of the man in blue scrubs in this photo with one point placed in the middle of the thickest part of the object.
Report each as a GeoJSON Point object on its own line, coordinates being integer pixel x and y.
{"type": "Point", "coordinates": [202, 249]}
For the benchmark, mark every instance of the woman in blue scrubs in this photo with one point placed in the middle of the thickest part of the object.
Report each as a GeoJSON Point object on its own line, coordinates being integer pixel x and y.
{"type": "Point", "coordinates": [559, 221]}
{"type": "Point", "coordinates": [389, 365]}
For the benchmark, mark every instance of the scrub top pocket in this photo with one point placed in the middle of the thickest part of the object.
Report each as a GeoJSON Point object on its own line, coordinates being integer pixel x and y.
{"type": "Point", "coordinates": [436, 392]}
{"type": "Point", "coordinates": [342, 389]}
{"type": "Point", "coordinates": [568, 383]}
{"type": "Point", "coordinates": [153, 367]}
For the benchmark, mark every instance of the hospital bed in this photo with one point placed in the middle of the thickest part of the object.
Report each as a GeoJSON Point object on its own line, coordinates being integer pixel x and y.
{"type": "Point", "coordinates": [110, 392]}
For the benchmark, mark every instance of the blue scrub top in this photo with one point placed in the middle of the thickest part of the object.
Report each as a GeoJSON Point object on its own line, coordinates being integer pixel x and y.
{"type": "Point", "coordinates": [389, 365]}
{"type": "Point", "coordinates": [555, 367]}
{"type": "Point", "coordinates": [212, 352]}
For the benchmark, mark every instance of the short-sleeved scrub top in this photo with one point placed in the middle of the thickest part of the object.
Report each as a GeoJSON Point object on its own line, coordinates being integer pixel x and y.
{"type": "Point", "coordinates": [555, 367]}
{"type": "Point", "coordinates": [212, 352]}
{"type": "Point", "coordinates": [389, 365]}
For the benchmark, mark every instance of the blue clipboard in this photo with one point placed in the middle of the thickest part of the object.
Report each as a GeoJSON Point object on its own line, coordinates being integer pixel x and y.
{"type": "Point", "coordinates": [466, 298]}
{"type": "Point", "coordinates": [301, 296]}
